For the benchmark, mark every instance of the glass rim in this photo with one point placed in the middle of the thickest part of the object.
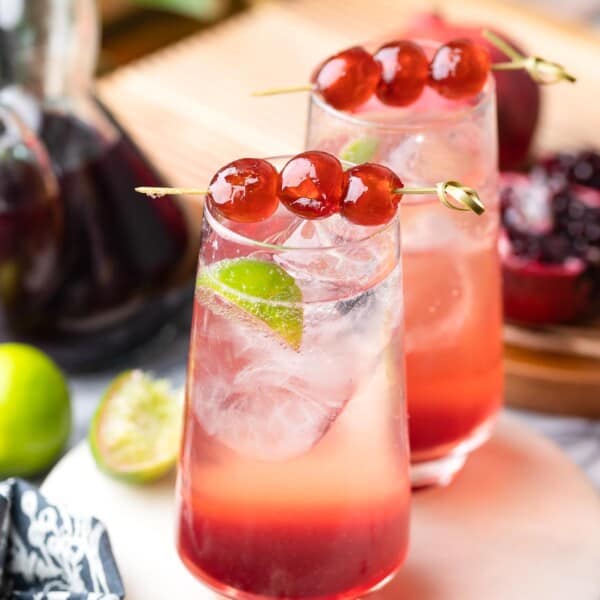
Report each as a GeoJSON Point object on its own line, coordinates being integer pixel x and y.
{"type": "Point", "coordinates": [221, 227]}
{"type": "Point", "coordinates": [408, 120]}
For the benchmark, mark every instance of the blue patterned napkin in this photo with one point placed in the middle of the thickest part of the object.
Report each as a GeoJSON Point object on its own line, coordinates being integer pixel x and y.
{"type": "Point", "coordinates": [48, 554]}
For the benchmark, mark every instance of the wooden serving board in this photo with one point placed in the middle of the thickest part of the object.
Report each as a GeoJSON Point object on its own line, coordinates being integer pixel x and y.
{"type": "Point", "coordinates": [520, 521]}
{"type": "Point", "coordinates": [554, 368]}
{"type": "Point", "coordinates": [551, 382]}
{"type": "Point", "coordinates": [190, 107]}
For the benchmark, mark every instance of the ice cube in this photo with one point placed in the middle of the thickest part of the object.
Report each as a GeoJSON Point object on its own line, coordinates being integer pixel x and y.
{"type": "Point", "coordinates": [268, 402]}
{"type": "Point", "coordinates": [427, 227]}
{"type": "Point", "coordinates": [333, 258]}
{"type": "Point", "coordinates": [263, 399]}
{"type": "Point", "coordinates": [452, 153]}
{"type": "Point", "coordinates": [440, 298]}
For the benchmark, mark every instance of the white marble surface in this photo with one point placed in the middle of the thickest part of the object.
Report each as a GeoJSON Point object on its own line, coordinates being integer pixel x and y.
{"type": "Point", "coordinates": [579, 438]}
{"type": "Point", "coordinates": [519, 536]}
{"type": "Point", "coordinates": [166, 356]}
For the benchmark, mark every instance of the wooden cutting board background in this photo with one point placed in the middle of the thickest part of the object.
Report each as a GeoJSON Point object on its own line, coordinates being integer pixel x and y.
{"type": "Point", "coordinates": [190, 104]}
{"type": "Point", "coordinates": [190, 108]}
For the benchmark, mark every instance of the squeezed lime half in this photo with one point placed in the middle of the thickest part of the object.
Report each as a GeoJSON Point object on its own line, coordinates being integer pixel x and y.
{"type": "Point", "coordinates": [263, 290]}
{"type": "Point", "coordinates": [136, 430]}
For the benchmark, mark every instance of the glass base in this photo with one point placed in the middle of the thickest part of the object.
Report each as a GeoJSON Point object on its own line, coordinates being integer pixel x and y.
{"type": "Point", "coordinates": [223, 592]}
{"type": "Point", "coordinates": [441, 470]}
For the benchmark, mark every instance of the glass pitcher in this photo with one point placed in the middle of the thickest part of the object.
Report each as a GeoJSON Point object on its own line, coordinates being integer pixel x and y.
{"type": "Point", "coordinates": [126, 263]}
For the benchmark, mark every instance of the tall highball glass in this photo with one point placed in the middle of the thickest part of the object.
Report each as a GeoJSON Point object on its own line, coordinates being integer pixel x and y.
{"type": "Point", "coordinates": [451, 270]}
{"type": "Point", "coordinates": [294, 469]}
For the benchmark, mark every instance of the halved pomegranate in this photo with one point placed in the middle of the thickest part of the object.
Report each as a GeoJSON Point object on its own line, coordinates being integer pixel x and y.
{"type": "Point", "coordinates": [549, 250]}
{"type": "Point", "coordinates": [539, 293]}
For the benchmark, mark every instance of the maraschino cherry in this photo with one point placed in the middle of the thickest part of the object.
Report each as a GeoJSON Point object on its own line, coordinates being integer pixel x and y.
{"type": "Point", "coordinates": [312, 184]}
{"type": "Point", "coordinates": [245, 190]}
{"type": "Point", "coordinates": [348, 79]}
{"type": "Point", "coordinates": [459, 69]}
{"type": "Point", "coordinates": [372, 194]}
{"type": "Point", "coordinates": [404, 73]}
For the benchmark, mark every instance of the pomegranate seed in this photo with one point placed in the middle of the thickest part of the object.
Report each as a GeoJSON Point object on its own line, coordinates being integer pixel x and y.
{"type": "Point", "coordinates": [404, 73]}
{"type": "Point", "coordinates": [459, 69]}
{"type": "Point", "coordinates": [245, 190]}
{"type": "Point", "coordinates": [371, 197]}
{"type": "Point", "coordinates": [312, 184]}
{"type": "Point", "coordinates": [348, 79]}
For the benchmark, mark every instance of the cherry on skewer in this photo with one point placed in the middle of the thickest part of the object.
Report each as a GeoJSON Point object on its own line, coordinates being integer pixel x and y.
{"type": "Point", "coordinates": [348, 79]}
{"type": "Point", "coordinates": [245, 190]}
{"type": "Point", "coordinates": [397, 72]}
{"type": "Point", "coordinates": [312, 184]}
{"type": "Point", "coordinates": [459, 69]}
{"type": "Point", "coordinates": [451, 194]}
{"type": "Point", "coordinates": [404, 73]}
{"type": "Point", "coordinates": [372, 194]}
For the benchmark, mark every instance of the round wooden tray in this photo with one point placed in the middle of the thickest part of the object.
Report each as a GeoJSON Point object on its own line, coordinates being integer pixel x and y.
{"type": "Point", "coordinates": [554, 369]}
{"type": "Point", "coordinates": [520, 521]}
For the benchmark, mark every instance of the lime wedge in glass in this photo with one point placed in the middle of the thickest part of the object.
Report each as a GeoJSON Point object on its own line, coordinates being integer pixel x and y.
{"type": "Point", "coordinates": [263, 290]}
{"type": "Point", "coordinates": [136, 429]}
{"type": "Point", "coordinates": [360, 150]}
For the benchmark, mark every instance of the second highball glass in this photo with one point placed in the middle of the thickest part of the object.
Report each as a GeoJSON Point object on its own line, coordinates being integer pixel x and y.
{"type": "Point", "coordinates": [451, 270]}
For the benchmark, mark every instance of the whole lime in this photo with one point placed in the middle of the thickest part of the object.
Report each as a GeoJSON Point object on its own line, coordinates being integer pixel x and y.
{"type": "Point", "coordinates": [35, 411]}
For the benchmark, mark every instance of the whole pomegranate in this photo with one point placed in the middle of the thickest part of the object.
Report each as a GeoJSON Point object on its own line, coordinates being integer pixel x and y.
{"type": "Point", "coordinates": [518, 95]}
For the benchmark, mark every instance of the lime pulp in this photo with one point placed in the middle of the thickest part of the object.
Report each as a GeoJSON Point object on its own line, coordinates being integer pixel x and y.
{"type": "Point", "coordinates": [263, 290]}
{"type": "Point", "coordinates": [360, 150]}
{"type": "Point", "coordinates": [136, 430]}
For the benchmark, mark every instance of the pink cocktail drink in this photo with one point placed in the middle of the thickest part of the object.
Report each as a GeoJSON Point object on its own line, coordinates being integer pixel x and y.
{"type": "Point", "coordinates": [293, 478]}
{"type": "Point", "coordinates": [453, 324]}
{"type": "Point", "coordinates": [452, 277]}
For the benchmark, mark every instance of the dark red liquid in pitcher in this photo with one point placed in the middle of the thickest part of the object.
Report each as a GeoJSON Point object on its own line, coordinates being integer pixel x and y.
{"type": "Point", "coordinates": [31, 229]}
{"type": "Point", "coordinates": [119, 276]}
